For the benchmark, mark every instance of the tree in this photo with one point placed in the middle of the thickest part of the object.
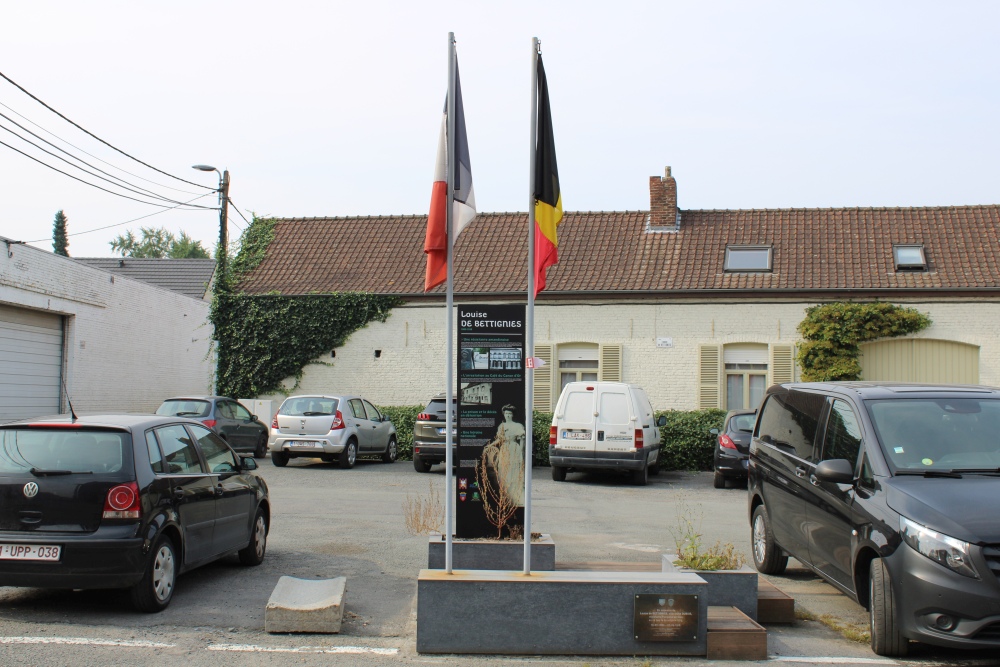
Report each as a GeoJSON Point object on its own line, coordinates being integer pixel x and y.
{"type": "Point", "coordinates": [157, 242]}
{"type": "Point", "coordinates": [59, 241]}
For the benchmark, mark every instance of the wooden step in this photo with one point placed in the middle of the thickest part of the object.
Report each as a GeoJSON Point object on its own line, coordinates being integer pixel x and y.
{"type": "Point", "coordinates": [773, 606]}
{"type": "Point", "coordinates": [732, 635]}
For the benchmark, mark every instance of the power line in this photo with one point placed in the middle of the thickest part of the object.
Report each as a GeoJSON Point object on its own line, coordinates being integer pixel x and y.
{"type": "Point", "coordinates": [76, 178]}
{"type": "Point", "coordinates": [142, 191]}
{"type": "Point", "coordinates": [119, 224]}
{"type": "Point", "coordinates": [82, 129]}
{"type": "Point", "coordinates": [72, 145]}
{"type": "Point", "coordinates": [237, 209]}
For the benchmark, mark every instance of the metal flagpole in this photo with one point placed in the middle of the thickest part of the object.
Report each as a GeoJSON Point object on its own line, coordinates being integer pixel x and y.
{"type": "Point", "coordinates": [530, 318]}
{"type": "Point", "coordinates": [449, 161]}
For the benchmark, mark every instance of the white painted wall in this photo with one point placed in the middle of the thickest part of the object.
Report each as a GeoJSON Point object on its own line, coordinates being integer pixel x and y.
{"type": "Point", "coordinates": [410, 368]}
{"type": "Point", "coordinates": [128, 344]}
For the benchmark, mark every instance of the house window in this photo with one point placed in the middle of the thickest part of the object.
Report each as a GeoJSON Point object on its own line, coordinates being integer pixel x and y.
{"type": "Point", "coordinates": [746, 375]}
{"type": "Point", "coordinates": [740, 258]}
{"type": "Point", "coordinates": [578, 362]}
{"type": "Point", "coordinates": [909, 257]}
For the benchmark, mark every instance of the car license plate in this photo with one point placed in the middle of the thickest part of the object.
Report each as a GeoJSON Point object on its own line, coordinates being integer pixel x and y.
{"type": "Point", "coordinates": [29, 552]}
{"type": "Point", "coordinates": [441, 431]}
{"type": "Point", "coordinates": [304, 444]}
{"type": "Point", "coordinates": [576, 435]}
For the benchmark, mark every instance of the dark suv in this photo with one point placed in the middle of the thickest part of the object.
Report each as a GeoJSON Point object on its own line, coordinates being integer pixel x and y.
{"type": "Point", "coordinates": [889, 492]}
{"type": "Point", "coordinates": [124, 501]}
{"type": "Point", "coordinates": [429, 433]}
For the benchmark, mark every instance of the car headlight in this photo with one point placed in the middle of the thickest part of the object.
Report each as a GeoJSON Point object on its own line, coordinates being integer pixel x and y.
{"type": "Point", "coordinates": [953, 554]}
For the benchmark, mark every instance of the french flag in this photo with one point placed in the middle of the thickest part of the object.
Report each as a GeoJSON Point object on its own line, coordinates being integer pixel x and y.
{"type": "Point", "coordinates": [436, 239]}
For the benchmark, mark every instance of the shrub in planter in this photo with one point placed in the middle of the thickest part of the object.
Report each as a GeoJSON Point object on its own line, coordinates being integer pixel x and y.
{"type": "Point", "coordinates": [686, 441]}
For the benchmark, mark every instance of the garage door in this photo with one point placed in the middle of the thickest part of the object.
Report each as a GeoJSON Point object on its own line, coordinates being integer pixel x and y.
{"type": "Point", "coordinates": [31, 352]}
{"type": "Point", "coordinates": [920, 360]}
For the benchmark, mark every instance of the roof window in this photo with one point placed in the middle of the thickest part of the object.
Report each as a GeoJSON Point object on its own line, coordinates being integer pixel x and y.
{"type": "Point", "coordinates": [909, 257]}
{"type": "Point", "coordinates": [740, 258]}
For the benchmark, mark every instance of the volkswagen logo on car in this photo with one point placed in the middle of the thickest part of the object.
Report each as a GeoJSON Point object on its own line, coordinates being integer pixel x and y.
{"type": "Point", "coordinates": [30, 490]}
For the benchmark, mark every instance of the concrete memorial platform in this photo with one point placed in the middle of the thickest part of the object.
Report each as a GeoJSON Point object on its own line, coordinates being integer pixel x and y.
{"type": "Point", "coordinates": [485, 554]}
{"type": "Point", "coordinates": [561, 613]}
{"type": "Point", "coordinates": [726, 588]}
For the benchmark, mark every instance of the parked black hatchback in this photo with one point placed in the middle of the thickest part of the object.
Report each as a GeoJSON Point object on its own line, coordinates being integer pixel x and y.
{"type": "Point", "coordinates": [229, 418]}
{"type": "Point", "coordinates": [732, 447]}
{"type": "Point", "coordinates": [889, 492]}
{"type": "Point", "coordinates": [123, 501]}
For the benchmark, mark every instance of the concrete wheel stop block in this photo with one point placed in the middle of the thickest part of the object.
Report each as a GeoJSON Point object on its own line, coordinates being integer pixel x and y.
{"type": "Point", "coordinates": [306, 605]}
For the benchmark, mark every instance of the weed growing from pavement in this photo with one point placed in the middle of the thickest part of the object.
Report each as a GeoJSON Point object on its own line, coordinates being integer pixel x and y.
{"type": "Point", "coordinates": [423, 514]}
{"type": "Point", "coordinates": [849, 631]}
{"type": "Point", "coordinates": [690, 552]}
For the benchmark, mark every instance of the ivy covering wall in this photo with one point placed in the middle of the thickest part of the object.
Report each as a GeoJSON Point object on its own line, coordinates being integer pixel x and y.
{"type": "Point", "coordinates": [833, 334]}
{"type": "Point", "coordinates": [262, 339]}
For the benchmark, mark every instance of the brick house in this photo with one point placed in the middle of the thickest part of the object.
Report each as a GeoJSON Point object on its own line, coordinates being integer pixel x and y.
{"type": "Point", "coordinates": [700, 307]}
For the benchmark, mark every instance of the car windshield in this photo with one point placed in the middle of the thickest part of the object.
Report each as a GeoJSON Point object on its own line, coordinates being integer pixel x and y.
{"type": "Point", "coordinates": [743, 422]}
{"type": "Point", "coordinates": [308, 406]}
{"type": "Point", "coordinates": [60, 451]}
{"type": "Point", "coordinates": [184, 407]}
{"type": "Point", "coordinates": [939, 433]}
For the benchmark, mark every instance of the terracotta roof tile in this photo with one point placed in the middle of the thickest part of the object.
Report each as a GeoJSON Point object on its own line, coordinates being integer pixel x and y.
{"type": "Point", "coordinates": [814, 249]}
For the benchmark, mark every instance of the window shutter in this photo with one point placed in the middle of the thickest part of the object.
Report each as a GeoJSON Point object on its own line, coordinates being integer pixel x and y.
{"type": "Point", "coordinates": [709, 377]}
{"type": "Point", "coordinates": [542, 395]}
{"type": "Point", "coordinates": [611, 363]}
{"type": "Point", "coordinates": [782, 364]}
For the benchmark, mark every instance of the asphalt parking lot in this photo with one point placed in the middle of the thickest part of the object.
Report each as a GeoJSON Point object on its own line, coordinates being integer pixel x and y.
{"type": "Point", "coordinates": [330, 522]}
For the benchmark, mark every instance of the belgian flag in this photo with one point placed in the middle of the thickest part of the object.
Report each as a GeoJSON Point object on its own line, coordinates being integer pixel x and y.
{"type": "Point", "coordinates": [548, 199]}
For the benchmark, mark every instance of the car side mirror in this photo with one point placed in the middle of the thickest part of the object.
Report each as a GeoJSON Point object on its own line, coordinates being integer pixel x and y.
{"type": "Point", "coordinates": [838, 471]}
{"type": "Point", "coordinates": [385, 418]}
{"type": "Point", "coordinates": [253, 418]}
{"type": "Point", "coordinates": [713, 431]}
{"type": "Point", "coordinates": [661, 420]}
{"type": "Point", "coordinates": [248, 463]}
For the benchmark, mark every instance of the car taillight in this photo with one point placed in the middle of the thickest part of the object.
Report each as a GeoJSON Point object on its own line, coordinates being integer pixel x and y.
{"type": "Point", "coordinates": [726, 441]}
{"type": "Point", "coordinates": [274, 422]}
{"type": "Point", "coordinates": [425, 416]}
{"type": "Point", "coordinates": [122, 502]}
{"type": "Point", "coordinates": [209, 422]}
{"type": "Point", "coordinates": [552, 435]}
{"type": "Point", "coordinates": [338, 422]}
{"type": "Point", "coordinates": [639, 439]}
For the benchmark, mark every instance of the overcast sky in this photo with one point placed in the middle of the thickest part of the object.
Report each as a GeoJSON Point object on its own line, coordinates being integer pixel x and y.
{"type": "Point", "coordinates": [333, 108]}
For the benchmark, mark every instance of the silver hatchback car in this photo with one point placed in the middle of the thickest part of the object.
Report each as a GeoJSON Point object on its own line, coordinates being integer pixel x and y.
{"type": "Point", "coordinates": [340, 428]}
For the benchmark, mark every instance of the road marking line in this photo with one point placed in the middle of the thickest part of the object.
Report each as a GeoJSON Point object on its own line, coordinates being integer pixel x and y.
{"type": "Point", "coordinates": [250, 648]}
{"type": "Point", "coordinates": [84, 641]}
{"type": "Point", "coordinates": [834, 661]}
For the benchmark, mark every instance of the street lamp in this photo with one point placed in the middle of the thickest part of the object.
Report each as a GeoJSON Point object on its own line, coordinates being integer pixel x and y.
{"type": "Point", "coordinates": [223, 212]}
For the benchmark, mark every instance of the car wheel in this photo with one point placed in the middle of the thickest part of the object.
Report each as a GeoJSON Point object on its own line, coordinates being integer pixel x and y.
{"type": "Point", "coordinates": [767, 555]}
{"type": "Point", "coordinates": [558, 473]}
{"type": "Point", "coordinates": [261, 450]}
{"type": "Point", "coordinates": [641, 477]}
{"type": "Point", "coordinates": [420, 465]}
{"type": "Point", "coordinates": [156, 588]}
{"type": "Point", "coordinates": [391, 452]}
{"type": "Point", "coordinates": [349, 455]}
{"type": "Point", "coordinates": [655, 468]}
{"type": "Point", "coordinates": [719, 481]}
{"type": "Point", "coordinates": [883, 614]}
{"type": "Point", "coordinates": [279, 459]}
{"type": "Point", "coordinates": [253, 553]}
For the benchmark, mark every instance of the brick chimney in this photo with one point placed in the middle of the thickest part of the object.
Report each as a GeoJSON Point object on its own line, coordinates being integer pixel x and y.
{"type": "Point", "coordinates": [663, 201]}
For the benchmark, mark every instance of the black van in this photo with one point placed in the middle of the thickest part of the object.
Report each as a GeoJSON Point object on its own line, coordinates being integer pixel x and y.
{"type": "Point", "coordinates": [891, 493]}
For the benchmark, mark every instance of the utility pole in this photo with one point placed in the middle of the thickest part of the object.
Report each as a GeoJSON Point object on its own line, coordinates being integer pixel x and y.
{"type": "Point", "coordinates": [223, 221]}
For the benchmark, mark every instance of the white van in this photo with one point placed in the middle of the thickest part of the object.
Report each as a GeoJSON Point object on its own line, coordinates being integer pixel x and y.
{"type": "Point", "coordinates": [607, 425]}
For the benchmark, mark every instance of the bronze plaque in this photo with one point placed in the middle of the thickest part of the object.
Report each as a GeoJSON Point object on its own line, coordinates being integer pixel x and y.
{"type": "Point", "coordinates": [665, 618]}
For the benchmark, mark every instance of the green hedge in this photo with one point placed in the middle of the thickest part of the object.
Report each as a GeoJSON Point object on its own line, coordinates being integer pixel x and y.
{"type": "Point", "coordinates": [687, 443]}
